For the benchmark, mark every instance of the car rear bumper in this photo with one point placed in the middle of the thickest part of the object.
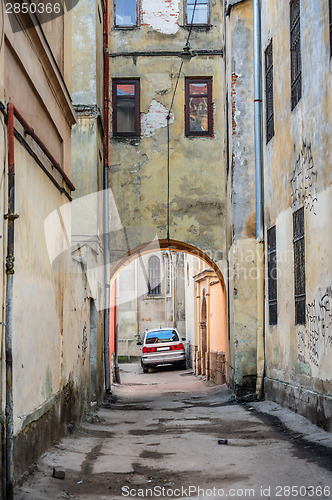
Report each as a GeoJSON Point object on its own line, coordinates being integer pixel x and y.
{"type": "Point", "coordinates": [163, 359]}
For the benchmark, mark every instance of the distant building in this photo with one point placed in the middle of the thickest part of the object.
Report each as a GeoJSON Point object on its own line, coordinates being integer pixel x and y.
{"type": "Point", "coordinates": [150, 294]}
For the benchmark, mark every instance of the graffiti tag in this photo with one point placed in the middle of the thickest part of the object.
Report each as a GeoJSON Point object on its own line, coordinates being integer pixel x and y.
{"type": "Point", "coordinates": [303, 180]}
{"type": "Point", "coordinates": [317, 337]}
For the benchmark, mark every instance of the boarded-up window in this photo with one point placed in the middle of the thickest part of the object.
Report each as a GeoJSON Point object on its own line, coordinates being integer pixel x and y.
{"type": "Point", "coordinates": [272, 275]}
{"type": "Point", "coordinates": [299, 266]}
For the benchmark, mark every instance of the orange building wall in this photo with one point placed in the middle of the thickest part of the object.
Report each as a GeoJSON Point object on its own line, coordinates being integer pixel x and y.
{"type": "Point", "coordinates": [218, 330]}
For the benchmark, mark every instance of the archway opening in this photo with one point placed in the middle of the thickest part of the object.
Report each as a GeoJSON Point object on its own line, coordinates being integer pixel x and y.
{"type": "Point", "coordinates": [169, 285]}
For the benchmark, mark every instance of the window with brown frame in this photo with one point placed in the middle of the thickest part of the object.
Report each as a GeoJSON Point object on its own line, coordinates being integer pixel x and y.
{"type": "Point", "coordinates": [202, 12]}
{"type": "Point", "coordinates": [126, 13]}
{"type": "Point", "coordinates": [198, 106]}
{"type": "Point", "coordinates": [295, 49]}
{"type": "Point", "coordinates": [126, 107]}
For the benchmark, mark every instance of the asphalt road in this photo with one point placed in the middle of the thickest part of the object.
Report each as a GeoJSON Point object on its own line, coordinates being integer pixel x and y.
{"type": "Point", "coordinates": [161, 435]}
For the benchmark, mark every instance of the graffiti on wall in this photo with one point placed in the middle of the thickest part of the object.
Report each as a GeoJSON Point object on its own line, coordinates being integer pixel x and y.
{"type": "Point", "coordinates": [303, 181]}
{"type": "Point", "coordinates": [317, 336]}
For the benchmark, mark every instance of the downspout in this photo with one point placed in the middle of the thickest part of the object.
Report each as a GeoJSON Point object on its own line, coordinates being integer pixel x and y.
{"type": "Point", "coordinates": [259, 200]}
{"type": "Point", "coordinates": [10, 258]}
{"type": "Point", "coordinates": [231, 5]}
{"type": "Point", "coordinates": [106, 205]}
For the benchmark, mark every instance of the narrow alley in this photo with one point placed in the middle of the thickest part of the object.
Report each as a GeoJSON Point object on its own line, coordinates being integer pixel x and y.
{"type": "Point", "coordinates": [161, 434]}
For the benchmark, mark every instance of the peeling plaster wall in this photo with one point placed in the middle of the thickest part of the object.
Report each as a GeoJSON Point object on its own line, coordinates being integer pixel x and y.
{"type": "Point", "coordinates": [154, 119]}
{"type": "Point", "coordinates": [160, 15]}
{"type": "Point", "coordinates": [84, 89]}
{"type": "Point", "coordinates": [162, 28]}
{"type": "Point", "coordinates": [49, 317]}
{"type": "Point", "coordinates": [87, 174]}
{"type": "Point", "coordinates": [139, 165]}
{"type": "Point", "coordinates": [298, 174]}
{"type": "Point", "coordinates": [241, 243]}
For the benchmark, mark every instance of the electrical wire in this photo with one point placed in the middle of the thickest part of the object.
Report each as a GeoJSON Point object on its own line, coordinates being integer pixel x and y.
{"type": "Point", "coordinates": [168, 131]}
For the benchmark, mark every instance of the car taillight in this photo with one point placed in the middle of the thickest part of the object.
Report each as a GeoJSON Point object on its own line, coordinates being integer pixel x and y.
{"type": "Point", "coordinates": [145, 349]}
{"type": "Point", "coordinates": [177, 347]}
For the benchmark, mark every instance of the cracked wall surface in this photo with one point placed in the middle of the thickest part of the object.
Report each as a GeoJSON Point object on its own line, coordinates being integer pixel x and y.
{"type": "Point", "coordinates": [139, 164]}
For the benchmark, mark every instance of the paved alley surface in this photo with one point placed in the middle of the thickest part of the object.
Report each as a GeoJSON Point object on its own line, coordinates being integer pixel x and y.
{"type": "Point", "coordinates": [157, 437]}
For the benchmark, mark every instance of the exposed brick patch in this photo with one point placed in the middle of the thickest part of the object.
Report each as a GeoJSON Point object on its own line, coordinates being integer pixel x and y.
{"type": "Point", "coordinates": [161, 15]}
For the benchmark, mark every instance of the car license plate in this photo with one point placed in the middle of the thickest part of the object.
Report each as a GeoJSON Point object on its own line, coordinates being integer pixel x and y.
{"type": "Point", "coordinates": [162, 348]}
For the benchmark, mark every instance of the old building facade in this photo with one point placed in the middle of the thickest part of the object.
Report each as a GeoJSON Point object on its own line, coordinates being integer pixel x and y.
{"type": "Point", "coordinates": [297, 124]}
{"type": "Point", "coordinates": [167, 136]}
{"type": "Point", "coordinates": [182, 164]}
{"type": "Point", "coordinates": [50, 368]}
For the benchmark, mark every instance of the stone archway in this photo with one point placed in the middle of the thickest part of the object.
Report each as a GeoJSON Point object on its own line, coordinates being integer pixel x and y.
{"type": "Point", "coordinates": [199, 356]}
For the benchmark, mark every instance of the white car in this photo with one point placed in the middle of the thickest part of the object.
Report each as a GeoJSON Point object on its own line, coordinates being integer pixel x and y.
{"type": "Point", "coordinates": [162, 347]}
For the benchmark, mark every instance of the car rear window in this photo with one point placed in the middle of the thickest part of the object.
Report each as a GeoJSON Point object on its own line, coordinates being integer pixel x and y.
{"type": "Point", "coordinates": [161, 336]}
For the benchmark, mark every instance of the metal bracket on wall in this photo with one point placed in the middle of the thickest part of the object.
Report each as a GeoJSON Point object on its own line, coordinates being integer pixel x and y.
{"type": "Point", "coordinates": [11, 216]}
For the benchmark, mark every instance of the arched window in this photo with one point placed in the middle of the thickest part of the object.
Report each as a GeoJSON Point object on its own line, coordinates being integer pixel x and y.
{"type": "Point", "coordinates": [154, 276]}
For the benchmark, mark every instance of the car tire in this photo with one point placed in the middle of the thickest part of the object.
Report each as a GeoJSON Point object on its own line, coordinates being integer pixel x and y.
{"type": "Point", "coordinates": [145, 368]}
{"type": "Point", "coordinates": [182, 365]}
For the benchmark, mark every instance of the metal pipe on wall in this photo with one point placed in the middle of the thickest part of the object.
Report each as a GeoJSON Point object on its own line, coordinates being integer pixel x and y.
{"type": "Point", "coordinates": [10, 258]}
{"type": "Point", "coordinates": [30, 131]}
{"type": "Point", "coordinates": [259, 199]}
{"type": "Point", "coordinates": [106, 205]}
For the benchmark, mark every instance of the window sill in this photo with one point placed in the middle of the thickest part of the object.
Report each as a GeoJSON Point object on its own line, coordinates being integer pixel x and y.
{"type": "Point", "coordinates": [202, 27]}
{"type": "Point", "coordinates": [133, 140]}
{"type": "Point", "coordinates": [126, 27]}
{"type": "Point", "coordinates": [199, 136]}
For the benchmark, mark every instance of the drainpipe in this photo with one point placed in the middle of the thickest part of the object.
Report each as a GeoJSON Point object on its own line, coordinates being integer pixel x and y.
{"type": "Point", "coordinates": [259, 200]}
{"type": "Point", "coordinates": [10, 216]}
{"type": "Point", "coordinates": [106, 205]}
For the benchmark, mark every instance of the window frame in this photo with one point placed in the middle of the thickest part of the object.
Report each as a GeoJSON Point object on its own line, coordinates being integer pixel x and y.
{"type": "Point", "coordinates": [154, 277]}
{"type": "Point", "coordinates": [124, 26]}
{"type": "Point", "coordinates": [199, 133]}
{"type": "Point", "coordinates": [269, 90]}
{"type": "Point", "coordinates": [187, 22]}
{"type": "Point", "coordinates": [299, 266]}
{"type": "Point", "coordinates": [295, 53]}
{"type": "Point", "coordinates": [272, 266]}
{"type": "Point", "coordinates": [115, 97]}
